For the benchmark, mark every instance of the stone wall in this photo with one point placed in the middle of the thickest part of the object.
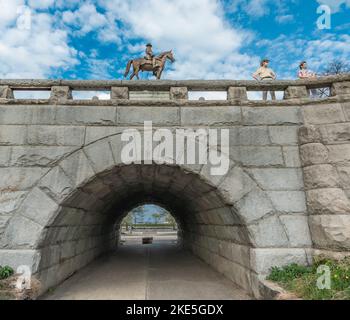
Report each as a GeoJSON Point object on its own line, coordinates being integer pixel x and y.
{"type": "Point", "coordinates": [64, 189]}
{"type": "Point", "coordinates": [325, 154]}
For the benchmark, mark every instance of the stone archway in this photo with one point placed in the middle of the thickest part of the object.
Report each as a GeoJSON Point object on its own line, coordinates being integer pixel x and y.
{"type": "Point", "coordinates": [69, 217]}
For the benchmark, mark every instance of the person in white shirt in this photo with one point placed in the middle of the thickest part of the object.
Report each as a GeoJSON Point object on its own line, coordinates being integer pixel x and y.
{"type": "Point", "coordinates": [305, 73]}
{"type": "Point", "coordinates": [264, 73]}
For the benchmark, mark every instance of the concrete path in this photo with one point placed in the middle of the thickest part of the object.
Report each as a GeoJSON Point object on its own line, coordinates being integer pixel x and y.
{"type": "Point", "coordinates": [158, 271]}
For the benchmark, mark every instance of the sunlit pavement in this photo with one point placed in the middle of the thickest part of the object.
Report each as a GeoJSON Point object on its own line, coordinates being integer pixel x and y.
{"type": "Point", "coordinates": [161, 270]}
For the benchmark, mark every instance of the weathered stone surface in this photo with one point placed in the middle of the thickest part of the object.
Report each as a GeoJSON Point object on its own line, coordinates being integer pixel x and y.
{"type": "Point", "coordinates": [291, 157]}
{"type": "Point", "coordinates": [97, 133]}
{"type": "Point", "coordinates": [56, 135]}
{"type": "Point", "coordinates": [344, 174]}
{"type": "Point", "coordinates": [6, 92]}
{"type": "Point", "coordinates": [331, 231]}
{"type": "Point", "coordinates": [160, 116]}
{"type": "Point", "coordinates": [250, 136]}
{"type": "Point", "coordinates": [313, 153]}
{"type": "Point", "coordinates": [239, 275]}
{"type": "Point", "coordinates": [296, 92]}
{"type": "Point", "coordinates": [22, 233]}
{"type": "Point", "coordinates": [309, 134]}
{"type": "Point", "coordinates": [260, 156]}
{"type": "Point", "coordinates": [78, 168]}
{"type": "Point", "coordinates": [60, 94]}
{"type": "Point", "coordinates": [19, 179]}
{"type": "Point", "coordinates": [17, 258]}
{"type": "Point", "coordinates": [335, 132]}
{"type": "Point", "coordinates": [271, 116]}
{"type": "Point", "coordinates": [259, 203]}
{"type": "Point", "coordinates": [255, 205]}
{"type": "Point", "coordinates": [236, 185]}
{"type": "Point", "coordinates": [39, 207]}
{"type": "Point", "coordinates": [328, 201]}
{"type": "Point", "coordinates": [56, 184]}
{"type": "Point", "coordinates": [98, 188]}
{"type": "Point", "coordinates": [321, 176]}
{"type": "Point", "coordinates": [86, 115]}
{"type": "Point", "coordinates": [269, 232]}
{"type": "Point", "coordinates": [340, 88]}
{"type": "Point", "coordinates": [339, 154]}
{"type": "Point", "coordinates": [148, 95]}
{"type": "Point", "coordinates": [178, 93]}
{"type": "Point", "coordinates": [10, 201]}
{"type": "Point", "coordinates": [322, 114]}
{"type": "Point", "coordinates": [5, 155]}
{"type": "Point", "coordinates": [237, 93]}
{"type": "Point", "coordinates": [27, 114]}
{"type": "Point", "coordinates": [262, 260]}
{"type": "Point", "coordinates": [100, 155]}
{"type": "Point", "coordinates": [38, 156]}
{"type": "Point", "coordinates": [284, 135]}
{"type": "Point", "coordinates": [297, 230]}
{"type": "Point", "coordinates": [119, 93]}
{"type": "Point", "coordinates": [210, 116]}
{"type": "Point", "coordinates": [278, 179]}
{"type": "Point", "coordinates": [288, 201]}
{"type": "Point", "coordinates": [13, 135]}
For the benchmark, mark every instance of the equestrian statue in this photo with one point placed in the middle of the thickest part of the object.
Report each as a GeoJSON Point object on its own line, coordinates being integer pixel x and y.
{"type": "Point", "coordinates": [150, 63]}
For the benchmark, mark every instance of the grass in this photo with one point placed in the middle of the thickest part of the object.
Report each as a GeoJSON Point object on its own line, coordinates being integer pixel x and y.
{"type": "Point", "coordinates": [5, 272]}
{"type": "Point", "coordinates": [302, 281]}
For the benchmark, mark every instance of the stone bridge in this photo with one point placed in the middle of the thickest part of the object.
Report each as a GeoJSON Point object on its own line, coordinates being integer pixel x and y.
{"type": "Point", "coordinates": [64, 188]}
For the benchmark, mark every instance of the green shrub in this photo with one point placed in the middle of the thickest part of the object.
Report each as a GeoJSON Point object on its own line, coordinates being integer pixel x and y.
{"type": "Point", "coordinates": [5, 272]}
{"type": "Point", "coordinates": [302, 280]}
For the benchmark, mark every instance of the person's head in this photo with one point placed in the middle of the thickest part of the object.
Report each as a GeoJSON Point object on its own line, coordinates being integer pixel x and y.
{"type": "Point", "coordinates": [265, 62]}
{"type": "Point", "coordinates": [149, 46]}
{"type": "Point", "coordinates": [303, 65]}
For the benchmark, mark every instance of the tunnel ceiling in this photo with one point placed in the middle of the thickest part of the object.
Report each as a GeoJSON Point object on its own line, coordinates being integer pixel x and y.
{"type": "Point", "coordinates": [114, 193]}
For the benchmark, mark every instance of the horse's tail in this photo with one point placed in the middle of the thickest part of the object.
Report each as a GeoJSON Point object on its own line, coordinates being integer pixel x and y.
{"type": "Point", "coordinates": [128, 68]}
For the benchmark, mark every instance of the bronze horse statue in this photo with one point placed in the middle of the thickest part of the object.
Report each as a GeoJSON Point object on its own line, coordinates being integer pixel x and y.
{"type": "Point", "coordinates": [143, 64]}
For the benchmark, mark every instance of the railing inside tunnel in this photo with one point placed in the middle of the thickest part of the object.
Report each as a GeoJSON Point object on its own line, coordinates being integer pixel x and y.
{"type": "Point", "coordinates": [119, 92]}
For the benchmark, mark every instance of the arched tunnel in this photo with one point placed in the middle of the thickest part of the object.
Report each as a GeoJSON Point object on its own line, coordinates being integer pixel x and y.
{"type": "Point", "coordinates": [88, 221]}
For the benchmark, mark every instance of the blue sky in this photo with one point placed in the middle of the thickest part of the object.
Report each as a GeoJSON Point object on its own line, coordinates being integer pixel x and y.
{"type": "Point", "coordinates": [211, 39]}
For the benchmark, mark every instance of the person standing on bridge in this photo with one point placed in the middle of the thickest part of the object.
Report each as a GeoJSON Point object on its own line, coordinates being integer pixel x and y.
{"type": "Point", "coordinates": [305, 74]}
{"type": "Point", "coordinates": [264, 73]}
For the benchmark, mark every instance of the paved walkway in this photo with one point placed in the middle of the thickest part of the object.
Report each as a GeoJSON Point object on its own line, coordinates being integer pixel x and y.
{"type": "Point", "coordinates": [158, 271]}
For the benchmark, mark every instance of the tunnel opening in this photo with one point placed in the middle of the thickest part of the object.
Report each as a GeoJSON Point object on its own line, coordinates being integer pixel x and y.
{"type": "Point", "coordinates": [148, 224]}
{"type": "Point", "coordinates": [89, 221]}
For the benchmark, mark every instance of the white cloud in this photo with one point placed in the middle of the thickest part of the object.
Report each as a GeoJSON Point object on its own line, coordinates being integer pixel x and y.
{"type": "Point", "coordinates": [33, 52]}
{"type": "Point", "coordinates": [40, 4]}
{"type": "Point", "coordinates": [204, 45]}
{"type": "Point", "coordinates": [257, 8]}
{"type": "Point", "coordinates": [9, 11]}
{"type": "Point", "coordinates": [335, 5]}
{"type": "Point", "coordinates": [85, 18]}
{"type": "Point", "coordinates": [284, 18]}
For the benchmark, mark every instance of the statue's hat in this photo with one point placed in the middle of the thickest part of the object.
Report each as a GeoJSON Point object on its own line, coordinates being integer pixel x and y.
{"type": "Point", "coordinates": [148, 45]}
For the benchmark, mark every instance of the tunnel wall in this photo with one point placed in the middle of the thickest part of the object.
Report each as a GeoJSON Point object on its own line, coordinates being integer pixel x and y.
{"type": "Point", "coordinates": [60, 172]}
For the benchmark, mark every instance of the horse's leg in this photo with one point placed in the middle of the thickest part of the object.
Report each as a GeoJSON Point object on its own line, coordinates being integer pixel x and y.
{"type": "Point", "coordinates": [159, 73]}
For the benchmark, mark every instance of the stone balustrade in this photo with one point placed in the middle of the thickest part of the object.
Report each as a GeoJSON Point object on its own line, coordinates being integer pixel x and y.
{"type": "Point", "coordinates": [122, 92]}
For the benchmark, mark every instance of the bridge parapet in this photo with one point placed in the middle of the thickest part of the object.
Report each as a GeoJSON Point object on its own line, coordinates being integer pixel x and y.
{"type": "Point", "coordinates": [170, 91]}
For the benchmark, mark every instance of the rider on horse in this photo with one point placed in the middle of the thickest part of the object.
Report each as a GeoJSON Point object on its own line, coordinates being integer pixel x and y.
{"type": "Point", "coordinates": [149, 55]}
